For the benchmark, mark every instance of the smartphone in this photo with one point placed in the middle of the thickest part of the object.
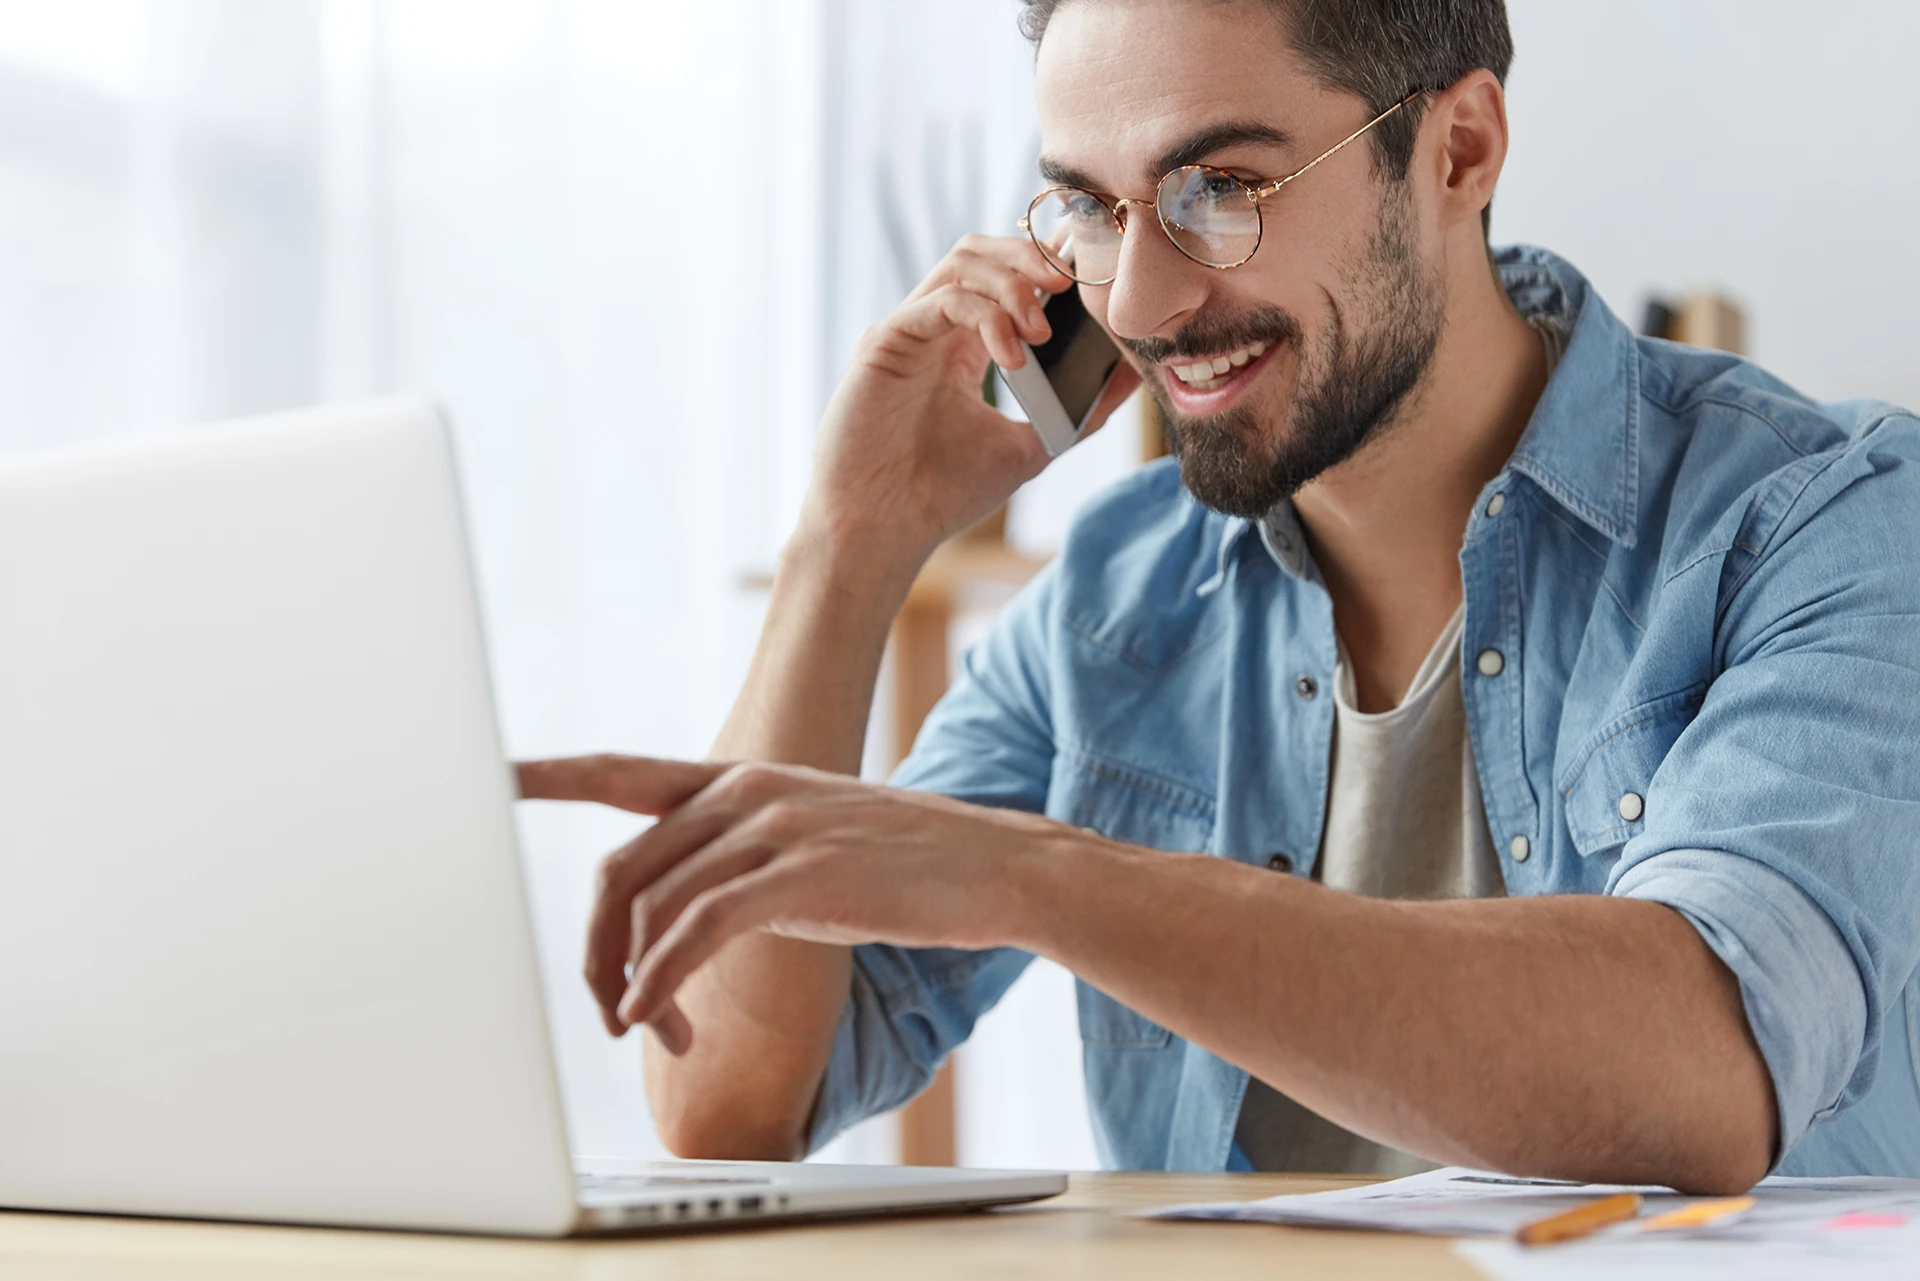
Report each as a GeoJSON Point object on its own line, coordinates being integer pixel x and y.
{"type": "Point", "coordinates": [1063, 377]}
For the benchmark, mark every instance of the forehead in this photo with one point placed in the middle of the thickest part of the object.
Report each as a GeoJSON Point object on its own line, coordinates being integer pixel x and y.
{"type": "Point", "coordinates": [1119, 82]}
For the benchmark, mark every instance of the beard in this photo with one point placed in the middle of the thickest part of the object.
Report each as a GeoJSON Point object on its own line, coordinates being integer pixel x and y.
{"type": "Point", "coordinates": [1351, 388]}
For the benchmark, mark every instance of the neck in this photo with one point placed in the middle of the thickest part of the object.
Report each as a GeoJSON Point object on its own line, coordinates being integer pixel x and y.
{"type": "Point", "coordinates": [1386, 526]}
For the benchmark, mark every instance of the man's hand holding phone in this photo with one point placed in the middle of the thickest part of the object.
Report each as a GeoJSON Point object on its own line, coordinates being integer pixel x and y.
{"type": "Point", "coordinates": [909, 453]}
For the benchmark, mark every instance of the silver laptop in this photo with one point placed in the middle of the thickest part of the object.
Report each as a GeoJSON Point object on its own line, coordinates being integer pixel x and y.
{"type": "Point", "coordinates": [265, 951]}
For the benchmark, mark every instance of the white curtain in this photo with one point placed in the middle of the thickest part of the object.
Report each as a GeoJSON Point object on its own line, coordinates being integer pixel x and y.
{"type": "Point", "coordinates": [933, 134]}
{"type": "Point", "coordinates": [590, 229]}
{"type": "Point", "coordinates": [626, 243]}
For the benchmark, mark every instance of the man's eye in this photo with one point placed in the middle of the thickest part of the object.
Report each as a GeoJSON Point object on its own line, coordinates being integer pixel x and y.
{"type": "Point", "coordinates": [1085, 209]}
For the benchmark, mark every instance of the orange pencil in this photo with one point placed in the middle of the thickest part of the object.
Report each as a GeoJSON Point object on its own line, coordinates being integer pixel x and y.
{"type": "Point", "coordinates": [1581, 1220]}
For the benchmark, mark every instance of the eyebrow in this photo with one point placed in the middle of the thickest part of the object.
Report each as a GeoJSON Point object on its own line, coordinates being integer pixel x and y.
{"type": "Point", "coordinates": [1191, 150]}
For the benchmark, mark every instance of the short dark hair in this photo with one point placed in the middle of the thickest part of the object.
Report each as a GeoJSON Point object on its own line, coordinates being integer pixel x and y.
{"type": "Point", "coordinates": [1378, 50]}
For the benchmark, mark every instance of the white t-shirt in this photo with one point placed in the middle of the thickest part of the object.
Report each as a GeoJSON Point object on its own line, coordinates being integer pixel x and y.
{"type": "Point", "coordinates": [1404, 820]}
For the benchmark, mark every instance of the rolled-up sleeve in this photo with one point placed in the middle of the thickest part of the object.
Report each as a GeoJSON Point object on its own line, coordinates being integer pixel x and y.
{"type": "Point", "coordinates": [1802, 991]}
{"type": "Point", "coordinates": [1785, 821]}
{"type": "Point", "coordinates": [989, 742]}
{"type": "Point", "coordinates": [908, 1009]}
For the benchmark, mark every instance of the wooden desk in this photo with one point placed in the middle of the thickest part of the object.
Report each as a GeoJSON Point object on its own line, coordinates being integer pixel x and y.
{"type": "Point", "coordinates": [1081, 1234]}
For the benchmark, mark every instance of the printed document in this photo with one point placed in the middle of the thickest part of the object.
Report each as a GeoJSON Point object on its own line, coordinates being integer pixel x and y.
{"type": "Point", "coordinates": [1852, 1227]}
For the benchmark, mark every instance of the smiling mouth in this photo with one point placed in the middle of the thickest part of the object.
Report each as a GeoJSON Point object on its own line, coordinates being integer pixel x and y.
{"type": "Point", "coordinates": [1215, 371]}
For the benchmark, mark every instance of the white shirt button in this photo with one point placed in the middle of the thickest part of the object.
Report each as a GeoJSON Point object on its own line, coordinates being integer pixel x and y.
{"type": "Point", "coordinates": [1521, 849]}
{"type": "Point", "coordinates": [1632, 807]}
{"type": "Point", "coordinates": [1496, 504]}
{"type": "Point", "coordinates": [1492, 662]}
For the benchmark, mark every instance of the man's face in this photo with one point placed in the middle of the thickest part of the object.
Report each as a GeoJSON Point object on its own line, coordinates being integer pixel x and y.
{"type": "Point", "coordinates": [1337, 314]}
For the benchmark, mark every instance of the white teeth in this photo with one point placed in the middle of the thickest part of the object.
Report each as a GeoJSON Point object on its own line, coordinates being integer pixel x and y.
{"type": "Point", "coordinates": [1204, 374]}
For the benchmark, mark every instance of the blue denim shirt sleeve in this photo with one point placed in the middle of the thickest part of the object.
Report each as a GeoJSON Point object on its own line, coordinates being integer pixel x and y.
{"type": "Point", "coordinates": [1783, 822]}
{"type": "Point", "coordinates": [990, 742]}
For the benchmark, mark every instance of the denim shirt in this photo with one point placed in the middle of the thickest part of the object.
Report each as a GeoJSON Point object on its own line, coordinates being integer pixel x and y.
{"type": "Point", "coordinates": [1703, 590]}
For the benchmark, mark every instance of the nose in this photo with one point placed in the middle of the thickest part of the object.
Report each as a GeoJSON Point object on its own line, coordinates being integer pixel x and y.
{"type": "Point", "coordinates": [1156, 286]}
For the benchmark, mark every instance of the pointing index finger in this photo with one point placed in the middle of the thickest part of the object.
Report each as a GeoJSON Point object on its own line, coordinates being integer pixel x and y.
{"type": "Point", "coordinates": [637, 784]}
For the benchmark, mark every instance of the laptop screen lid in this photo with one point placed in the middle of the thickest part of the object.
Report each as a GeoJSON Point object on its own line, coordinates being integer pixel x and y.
{"type": "Point", "coordinates": [263, 931]}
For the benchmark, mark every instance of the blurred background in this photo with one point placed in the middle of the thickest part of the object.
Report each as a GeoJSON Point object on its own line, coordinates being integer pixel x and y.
{"type": "Point", "coordinates": [628, 244]}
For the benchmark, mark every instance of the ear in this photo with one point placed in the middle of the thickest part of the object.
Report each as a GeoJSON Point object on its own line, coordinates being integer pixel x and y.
{"type": "Point", "coordinates": [1468, 126]}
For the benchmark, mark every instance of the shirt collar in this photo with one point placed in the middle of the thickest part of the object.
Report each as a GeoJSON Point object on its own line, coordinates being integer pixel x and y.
{"type": "Point", "coordinates": [1582, 445]}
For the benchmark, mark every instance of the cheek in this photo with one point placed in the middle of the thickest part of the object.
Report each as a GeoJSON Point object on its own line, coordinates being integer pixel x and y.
{"type": "Point", "coordinates": [1287, 288]}
{"type": "Point", "coordinates": [1274, 280]}
{"type": "Point", "coordinates": [1280, 388]}
{"type": "Point", "coordinates": [1313, 267]}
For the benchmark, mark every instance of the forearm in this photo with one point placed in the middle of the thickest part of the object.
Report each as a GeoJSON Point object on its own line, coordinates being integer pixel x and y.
{"type": "Point", "coordinates": [908, 454]}
{"type": "Point", "coordinates": [809, 690]}
{"type": "Point", "coordinates": [765, 1010]}
{"type": "Point", "coordinates": [1580, 1037]}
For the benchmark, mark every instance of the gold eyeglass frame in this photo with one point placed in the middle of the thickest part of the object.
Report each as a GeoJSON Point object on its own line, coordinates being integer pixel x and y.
{"type": "Point", "coordinates": [1256, 192]}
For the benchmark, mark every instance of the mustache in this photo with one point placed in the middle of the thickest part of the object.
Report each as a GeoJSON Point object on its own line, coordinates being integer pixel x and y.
{"type": "Point", "coordinates": [1211, 335]}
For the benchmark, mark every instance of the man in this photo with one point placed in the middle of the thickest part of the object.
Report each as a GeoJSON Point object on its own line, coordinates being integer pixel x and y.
{"type": "Point", "coordinates": [1494, 743]}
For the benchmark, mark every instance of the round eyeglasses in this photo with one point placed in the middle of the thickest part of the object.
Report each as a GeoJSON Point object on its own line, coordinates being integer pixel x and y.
{"type": "Point", "coordinates": [1210, 215]}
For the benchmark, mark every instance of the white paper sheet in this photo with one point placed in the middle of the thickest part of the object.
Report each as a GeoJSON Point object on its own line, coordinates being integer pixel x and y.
{"type": "Point", "coordinates": [1859, 1229]}
{"type": "Point", "coordinates": [1451, 1202]}
{"type": "Point", "coordinates": [1853, 1227]}
{"type": "Point", "coordinates": [1888, 1258]}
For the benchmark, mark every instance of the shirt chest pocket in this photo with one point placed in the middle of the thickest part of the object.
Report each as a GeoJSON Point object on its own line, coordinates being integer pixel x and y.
{"type": "Point", "coordinates": [1605, 793]}
{"type": "Point", "coordinates": [1122, 803]}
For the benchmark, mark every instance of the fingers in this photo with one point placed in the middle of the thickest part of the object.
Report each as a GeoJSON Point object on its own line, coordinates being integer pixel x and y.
{"type": "Point", "coordinates": [607, 934]}
{"type": "Point", "coordinates": [953, 307]}
{"type": "Point", "coordinates": [737, 852]}
{"type": "Point", "coordinates": [631, 871]}
{"type": "Point", "coordinates": [626, 873]}
{"type": "Point", "coordinates": [980, 257]}
{"type": "Point", "coordinates": [638, 784]}
{"type": "Point", "coordinates": [716, 917]}
{"type": "Point", "coordinates": [1011, 272]}
{"type": "Point", "coordinates": [673, 1028]}
{"type": "Point", "coordinates": [1016, 292]}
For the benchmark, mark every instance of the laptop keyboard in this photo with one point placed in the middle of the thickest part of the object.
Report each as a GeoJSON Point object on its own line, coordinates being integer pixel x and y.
{"type": "Point", "coordinates": [618, 1183]}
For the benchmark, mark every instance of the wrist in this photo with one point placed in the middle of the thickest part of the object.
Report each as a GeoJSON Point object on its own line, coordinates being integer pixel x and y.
{"type": "Point", "coordinates": [1046, 875]}
{"type": "Point", "coordinates": [872, 565]}
{"type": "Point", "coordinates": [827, 588]}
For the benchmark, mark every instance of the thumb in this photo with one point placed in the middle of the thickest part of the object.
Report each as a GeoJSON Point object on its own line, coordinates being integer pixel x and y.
{"type": "Point", "coordinates": [637, 784]}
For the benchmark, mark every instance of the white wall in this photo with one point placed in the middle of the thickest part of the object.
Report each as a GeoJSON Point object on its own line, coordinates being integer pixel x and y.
{"type": "Point", "coordinates": [1766, 147]}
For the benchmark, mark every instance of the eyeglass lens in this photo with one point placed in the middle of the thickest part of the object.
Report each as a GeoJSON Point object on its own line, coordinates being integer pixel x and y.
{"type": "Point", "coordinates": [1205, 212]}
